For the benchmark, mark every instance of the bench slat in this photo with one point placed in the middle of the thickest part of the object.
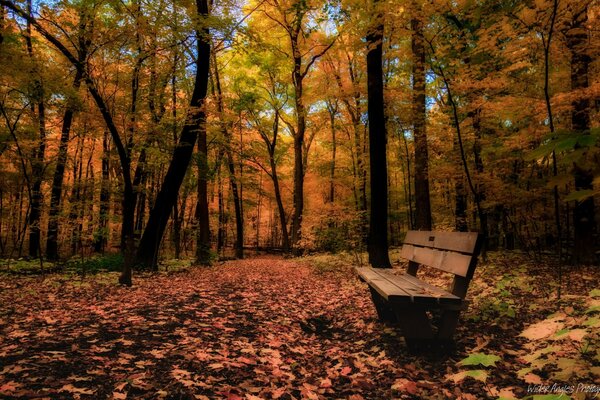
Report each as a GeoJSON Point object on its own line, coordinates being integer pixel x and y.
{"type": "Point", "coordinates": [455, 263]}
{"type": "Point", "coordinates": [405, 288]}
{"type": "Point", "coordinates": [422, 290]}
{"type": "Point", "coordinates": [384, 287]}
{"type": "Point", "coordinates": [463, 242]}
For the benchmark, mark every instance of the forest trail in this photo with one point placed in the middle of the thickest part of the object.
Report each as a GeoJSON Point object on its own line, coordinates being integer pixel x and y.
{"type": "Point", "coordinates": [259, 328]}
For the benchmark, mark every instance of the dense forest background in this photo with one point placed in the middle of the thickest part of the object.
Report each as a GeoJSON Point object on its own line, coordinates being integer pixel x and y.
{"type": "Point", "coordinates": [173, 129]}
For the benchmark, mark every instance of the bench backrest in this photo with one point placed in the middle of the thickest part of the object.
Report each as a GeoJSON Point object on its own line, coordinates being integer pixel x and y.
{"type": "Point", "coordinates": [454, 252]}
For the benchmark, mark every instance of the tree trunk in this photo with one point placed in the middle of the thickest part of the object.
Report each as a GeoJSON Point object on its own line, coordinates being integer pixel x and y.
{"type": "Point", "coordinates": [378, 240]}
{"type": "Point", "coordinates": [298, 149]}
{"type": "Point", "coordinates": [237, 202]}
{"type": "Point", "coordinates": [332, 109]}
{"type": "Point", "coordinates": [584, 217]}
{"type": "Point", "coordinates": [37, 162]}
{"type": "Point", "coordinates": [202, 216]}
{"type": "Point", "coordinates": [102, 236]}
{"type": "Point", "coordinates": [221, 229]}
{"type": "Point", "coordinates": [422, 201]}
{"type": "Point", "coordinates": [59, 173]}
{"type": "Point", "coordinates": [285, 240]}
{"type": "Point", "coordinates": [147, 253]}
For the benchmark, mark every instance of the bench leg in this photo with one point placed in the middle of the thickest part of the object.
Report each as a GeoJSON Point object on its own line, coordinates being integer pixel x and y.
{"type": "Point", "coordinates": [416, 328]}
{"type": "Point", "coordinates": [448, 324]}
{"type": "Point", "coordinates": [384, 312]}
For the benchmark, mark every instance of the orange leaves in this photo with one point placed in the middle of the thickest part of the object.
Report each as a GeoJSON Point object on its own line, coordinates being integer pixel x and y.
{"type": "Point", "coordinates": [234, 332]}
{"type": "Point", "coordinates": [405, 386]}
{"type": "Point", "coordinates": [76, 390]}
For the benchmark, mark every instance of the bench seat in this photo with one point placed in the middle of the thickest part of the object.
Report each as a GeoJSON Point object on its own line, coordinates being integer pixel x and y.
{"type": "Point", "coordinates": [406, 289]}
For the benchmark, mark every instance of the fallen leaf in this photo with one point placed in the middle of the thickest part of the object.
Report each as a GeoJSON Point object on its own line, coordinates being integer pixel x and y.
{"type": "Point", "coordinates": [478, 374]}
{"type": "Point", "coordinates": [405, 386]}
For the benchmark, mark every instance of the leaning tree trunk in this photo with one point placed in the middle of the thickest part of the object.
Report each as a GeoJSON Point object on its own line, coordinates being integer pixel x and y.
{"type": "Point", "coordinates": [147, 253]}
{"type": "Point", "coordinates": [378, 240]}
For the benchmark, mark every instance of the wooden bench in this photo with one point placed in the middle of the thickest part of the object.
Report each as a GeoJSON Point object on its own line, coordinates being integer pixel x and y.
{"type": "Point", "coordinates": [407, 300]}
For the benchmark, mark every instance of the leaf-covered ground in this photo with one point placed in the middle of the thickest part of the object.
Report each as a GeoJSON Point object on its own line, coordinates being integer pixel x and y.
{"type": "Point", "coordinates": [269, 328]}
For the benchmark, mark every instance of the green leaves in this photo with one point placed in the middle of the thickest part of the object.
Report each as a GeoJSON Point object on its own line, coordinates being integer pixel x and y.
{"type": "Point", "coordinates": [487, 360]}
{"type": "Point", "coordinates": [562, 141]}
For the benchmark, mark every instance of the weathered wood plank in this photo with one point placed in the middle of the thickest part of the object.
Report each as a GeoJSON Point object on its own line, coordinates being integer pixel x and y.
{"type": "Point", "coordinates": [463, 242]}
{"type": "Point", "coordinates": [420, 290]}
{"type": "Point", "coordinates": [448, 261]}
{"type": "Point", "coordinates": [383, 286]}
{"type": "Point", "coordinates": [405, 288]}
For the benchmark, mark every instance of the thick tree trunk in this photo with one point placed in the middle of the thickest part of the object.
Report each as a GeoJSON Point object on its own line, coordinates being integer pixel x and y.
{"type": "Point", "coordinates": [584, 217]}
{"type": "Point", "coordinates": [422, 201]}
{"type": "Point", "coordinates": [298, 147]}
{"type": "Point", "coordinates": [147, 253]}
{"type": "Point", "coordinates": [378, 240]}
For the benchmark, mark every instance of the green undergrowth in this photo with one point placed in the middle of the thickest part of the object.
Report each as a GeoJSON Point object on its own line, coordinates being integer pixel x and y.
{"type": "Point", "coordinates": [76, 265]}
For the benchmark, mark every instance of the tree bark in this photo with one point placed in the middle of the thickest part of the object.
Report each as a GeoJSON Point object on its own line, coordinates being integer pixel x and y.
{"type": "Point", "coordinates": [59, 173]}
{"type": "Point", "coordinates": [237, 202]}
{"type": "Point", "coordinates": [147, 253]}
{"type": "Point", "coordinates": [102, 235]}
{"type": "Point", "coordinates": [584, 217]}
{"type": "Point", "coordinates": [298, 148]}
{"type": "Point", "coordinates": [422, 200]}
{"type": "Point", "coordinates": [378, 240]}
{"type": "Point", "coordinates": [202, 215]}
{"type": "Point", "coordinates": [332, 109]}
{"type": "Point", "coordinates": [37, 162]}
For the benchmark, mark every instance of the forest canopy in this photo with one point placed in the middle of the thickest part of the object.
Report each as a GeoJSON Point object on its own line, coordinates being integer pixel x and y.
{"type": "Point", "coordinates": [175, 128]}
